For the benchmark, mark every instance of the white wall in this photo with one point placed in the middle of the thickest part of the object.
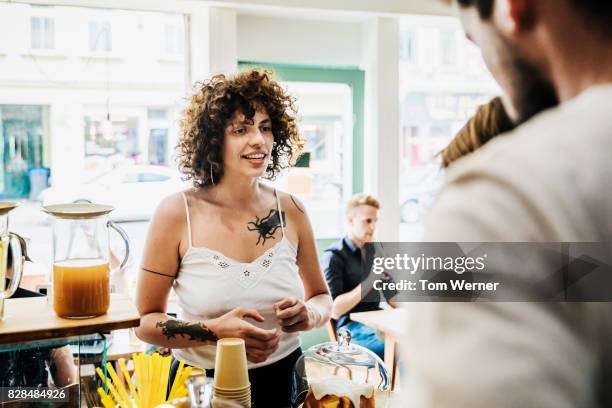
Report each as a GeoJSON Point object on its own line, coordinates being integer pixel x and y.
{"type": "Point", "coordinates": [222, 38]}
{"type": "Point", "coordinates": [297, 41]}
{"type": "Point", "coordinates": [381, 62]}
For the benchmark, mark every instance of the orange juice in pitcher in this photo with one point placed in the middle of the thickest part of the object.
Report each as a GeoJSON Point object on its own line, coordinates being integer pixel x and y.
{"type": "Point", "coordinates": [81, 287]}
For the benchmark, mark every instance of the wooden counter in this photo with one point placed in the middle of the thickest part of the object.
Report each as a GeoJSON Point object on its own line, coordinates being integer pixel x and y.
{"type": "Point", "coordinates": [29, 319]}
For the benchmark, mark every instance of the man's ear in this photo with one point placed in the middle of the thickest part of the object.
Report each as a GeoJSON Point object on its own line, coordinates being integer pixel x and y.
{"type": "Point", "coordinates": [514, 17]}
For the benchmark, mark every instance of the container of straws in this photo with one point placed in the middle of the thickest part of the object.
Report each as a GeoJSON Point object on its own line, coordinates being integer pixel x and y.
{"type": "Point", "coordinates": [148, 386]}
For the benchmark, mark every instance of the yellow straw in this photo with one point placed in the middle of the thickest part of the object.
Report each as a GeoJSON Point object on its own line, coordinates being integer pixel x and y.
{"type": "Point", "coordinates": [148, 379]}
{"type": "Point", "coordinates": [164, 378]}
{"type": "Point", "coordinates": [181, 382]}
{"type": "Point", "coordinates": [158, 379]}
{"type": "Point", "coordinates": [151, 384]}
{"type": "Point", "coordinates": [118, 384]}
{"type": "Point", "coordinates": [181, 392]}
{"type": "Point", "coordinates": [128, 378]}
{"type": "Point", "coordinates": [146, 360]}
{"type": "Point", "coordinates": [155, 379]}
{"type": "Point", "coordinates": [138, 370]}
{"type": "Point", "coordinates": [110, 386]}
{"type": "Point", "coordinates": [107, 401]}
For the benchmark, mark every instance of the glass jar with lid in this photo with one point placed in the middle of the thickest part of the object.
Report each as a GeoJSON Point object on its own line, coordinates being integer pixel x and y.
{"type": "Point", "coordinates": [340, 374]}
{"type": "Point", "coordinates": [81, 258]}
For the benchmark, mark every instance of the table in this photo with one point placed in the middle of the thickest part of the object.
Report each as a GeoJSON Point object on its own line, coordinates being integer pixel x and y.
{"type": "Point", "coordinates": [392, 324]}
{"type": "Point", "coordinates": [28, 319]}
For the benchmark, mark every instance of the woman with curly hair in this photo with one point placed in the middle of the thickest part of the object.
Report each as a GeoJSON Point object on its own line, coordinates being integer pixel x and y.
{"type": "Point", "coordinates": [239, 254]}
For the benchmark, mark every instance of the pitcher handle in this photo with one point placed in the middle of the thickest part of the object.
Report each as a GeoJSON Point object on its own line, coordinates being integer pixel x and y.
{"type": "Point", "coordinates": [16, 253]}
{"type": "Point", "coordinates": [126, 241]}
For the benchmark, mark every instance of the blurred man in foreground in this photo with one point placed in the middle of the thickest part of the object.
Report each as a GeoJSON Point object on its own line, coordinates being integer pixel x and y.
{"type": "Point", "coordinates": [546, 181]}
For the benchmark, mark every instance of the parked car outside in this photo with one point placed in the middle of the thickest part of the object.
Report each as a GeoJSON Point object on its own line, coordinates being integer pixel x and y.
{"type": "Point", "coordinates": [134, 191]}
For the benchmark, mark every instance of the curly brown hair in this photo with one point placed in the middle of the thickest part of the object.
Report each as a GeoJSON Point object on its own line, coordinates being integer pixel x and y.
{"type": "Point", "coordinates": [213, 105]}
{"type": "Point", "coordinates": [490, 120]}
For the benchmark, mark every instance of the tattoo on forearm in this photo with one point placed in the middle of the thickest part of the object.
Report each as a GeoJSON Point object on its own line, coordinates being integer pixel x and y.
{"type": "Point", "coordinates": [194, 331]}
{"type": "Point", "coordinates": [296, 204]}
{"type": "Point", "coordinates": [267, 226]}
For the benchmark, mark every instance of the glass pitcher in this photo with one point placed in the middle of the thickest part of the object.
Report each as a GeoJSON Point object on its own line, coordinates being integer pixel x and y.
{"type": "Point", "coordinates": [8, 240]}
{"type": "Point", "coordinates": [81, 258]}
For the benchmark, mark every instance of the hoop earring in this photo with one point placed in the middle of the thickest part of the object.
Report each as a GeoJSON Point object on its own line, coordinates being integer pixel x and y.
{"type": "Point", "coordinates": [212, 180]}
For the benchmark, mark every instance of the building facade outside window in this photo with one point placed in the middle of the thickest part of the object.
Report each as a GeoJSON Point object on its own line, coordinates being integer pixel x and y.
{"type": "Point", "coordinates": [115, 112]}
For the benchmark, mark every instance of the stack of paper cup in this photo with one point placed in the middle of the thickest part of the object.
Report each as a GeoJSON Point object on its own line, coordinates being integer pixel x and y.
{"type": "Point", "coordinates": [231, 373]}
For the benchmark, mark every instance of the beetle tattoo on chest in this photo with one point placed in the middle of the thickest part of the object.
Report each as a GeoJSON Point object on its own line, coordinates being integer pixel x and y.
{"type": "Point", "coordinates": [267, 226]}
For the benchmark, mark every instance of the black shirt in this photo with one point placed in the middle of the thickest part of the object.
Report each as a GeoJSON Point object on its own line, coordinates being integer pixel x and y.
{"type": "Point", "coordinates": [22, 293]}
{"type": "Point", "coordinates": [342, 264]}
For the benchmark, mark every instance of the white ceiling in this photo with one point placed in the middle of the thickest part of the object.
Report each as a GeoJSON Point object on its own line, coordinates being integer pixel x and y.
{"type": "Point", "coordinates": [331, 10]}
{"type": "Point", "coordinates": [347, 10]}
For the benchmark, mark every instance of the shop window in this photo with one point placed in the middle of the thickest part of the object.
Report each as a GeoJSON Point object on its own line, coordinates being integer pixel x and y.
{"type": "Point", "coordinates": [408, 47]}
{"type": "Point", "coordinates": [158, 146]}
{"type": "Point", "coordinates": [174, 39]}
{"type": "Point", "coordinates": [100, 36]}
{"type": "Point", "coordinates": [22, 145]}
{"type": "Point", "coordinates": [448, 47]}
{"type": "Point", "coordinates": [42, 31]}
{"type": "Point", "coordinates": [109, 138]}
{"type": "Point", "coordinates": [157, 113]}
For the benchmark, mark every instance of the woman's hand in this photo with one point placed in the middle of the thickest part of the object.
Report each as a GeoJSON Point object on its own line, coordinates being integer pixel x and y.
{"type": "Point", "coordinates": [293, 315]}
{"type": "Point", "coordinates": [259, 343]}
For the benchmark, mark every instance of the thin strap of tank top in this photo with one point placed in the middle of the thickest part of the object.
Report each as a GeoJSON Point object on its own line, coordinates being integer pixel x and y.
{"type": "Point", "coordinates": [188, 220]}
{"type": "Point", "coordinates": [280, 212]}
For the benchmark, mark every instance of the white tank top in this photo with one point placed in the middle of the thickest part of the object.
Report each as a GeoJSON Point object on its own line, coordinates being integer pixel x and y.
{"type": "Point", "coordinates": [209, 284]}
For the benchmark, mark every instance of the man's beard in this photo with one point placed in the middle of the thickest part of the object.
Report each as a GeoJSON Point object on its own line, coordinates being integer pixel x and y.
{"type": "Point", "coordinates": [532, 92]}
